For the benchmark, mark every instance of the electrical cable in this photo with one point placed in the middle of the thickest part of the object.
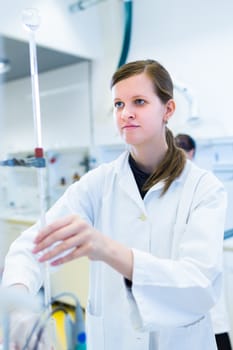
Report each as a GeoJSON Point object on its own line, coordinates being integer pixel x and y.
{"type": "Point", "coordinates": [76, 338]}
{"type": "Point", "coordinates": [42, 328]}
{"type": "Point", "coordinates": [78, 328]}
{"type": "Point", "coordinates": [33, 330]}
{"type": "Point", "coordinates": [41, 324]}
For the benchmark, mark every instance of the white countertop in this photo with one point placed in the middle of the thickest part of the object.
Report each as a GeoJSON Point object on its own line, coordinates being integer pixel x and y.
{"type": "Point", "coordinates": [19, 216]}
{"type": "Point", "coordinates": [228, 244]}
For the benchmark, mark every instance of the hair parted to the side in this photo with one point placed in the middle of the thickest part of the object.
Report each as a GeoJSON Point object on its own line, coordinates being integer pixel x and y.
{"type": "Point", "coordinates": [174, 161]}
{"type": "Point", "coordinates": [159, 76]}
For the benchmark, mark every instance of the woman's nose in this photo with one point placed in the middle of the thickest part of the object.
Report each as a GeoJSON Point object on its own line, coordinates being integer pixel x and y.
{"type": "Point", "coordinates": [127, 113]}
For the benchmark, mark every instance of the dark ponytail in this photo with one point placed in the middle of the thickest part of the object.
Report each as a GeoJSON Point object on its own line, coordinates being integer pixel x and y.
{"type": "Point", "coordinates": [170, 167]}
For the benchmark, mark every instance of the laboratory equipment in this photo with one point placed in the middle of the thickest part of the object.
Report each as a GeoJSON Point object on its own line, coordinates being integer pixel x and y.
{"type": "Point", "coordinates": [193, 114]}
{"type": "Point", "coordinates": [31, 21]}
{"type": "Point", "coordinates": [76, 338]}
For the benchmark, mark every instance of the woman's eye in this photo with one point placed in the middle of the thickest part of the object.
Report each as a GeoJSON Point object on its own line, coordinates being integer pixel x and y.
{"type": "Point", "coordinates": [139, 101]}
{"type": "Point", "coordinates": [118, 104]}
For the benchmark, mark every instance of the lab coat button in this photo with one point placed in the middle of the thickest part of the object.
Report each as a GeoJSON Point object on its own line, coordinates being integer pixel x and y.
{"type": "Point", "coordinates": [142, 217]}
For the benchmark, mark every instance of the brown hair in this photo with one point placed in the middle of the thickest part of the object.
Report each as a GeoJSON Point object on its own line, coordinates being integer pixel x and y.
{"type": "Point", "coordinates": [170, 167]}
{"type": "Point", "coordinates": [174, 161]}
{"type": "Point", "coordinates": [154, 70]}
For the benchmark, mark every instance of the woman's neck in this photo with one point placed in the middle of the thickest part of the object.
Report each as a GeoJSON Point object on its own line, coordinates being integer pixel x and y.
{"type": "Point", "coordinates": [148, 160]}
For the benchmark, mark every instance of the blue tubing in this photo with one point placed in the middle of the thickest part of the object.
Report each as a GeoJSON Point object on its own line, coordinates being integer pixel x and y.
{"type": "Point", "coordinates": [128, 6]}
{"type": "Point", "coordinates": [228, 234]}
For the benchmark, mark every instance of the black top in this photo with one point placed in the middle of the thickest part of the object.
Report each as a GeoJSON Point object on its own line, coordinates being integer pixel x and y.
{"type": "Point", "coordinates": [140, 176]}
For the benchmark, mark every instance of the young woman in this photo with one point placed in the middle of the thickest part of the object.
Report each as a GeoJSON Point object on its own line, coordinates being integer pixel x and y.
{"type": "Point", "coordinates": [151, 222]}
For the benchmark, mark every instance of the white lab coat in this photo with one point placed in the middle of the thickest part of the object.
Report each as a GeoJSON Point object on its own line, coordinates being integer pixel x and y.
{"type": "Point", "coordinates": [177, 248]}
{"type": "Point", "coordinates": [219, 315]}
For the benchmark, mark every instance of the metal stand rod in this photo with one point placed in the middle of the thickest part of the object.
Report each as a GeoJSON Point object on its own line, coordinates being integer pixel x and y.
{"type": "Point", "coordinates": [31, 21]}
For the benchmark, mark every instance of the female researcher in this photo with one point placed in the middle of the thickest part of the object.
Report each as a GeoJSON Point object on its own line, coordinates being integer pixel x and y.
{"type": "Point", "coordinates": [151, 223]}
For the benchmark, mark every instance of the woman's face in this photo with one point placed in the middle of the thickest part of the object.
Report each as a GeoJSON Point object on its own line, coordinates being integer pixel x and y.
{"type": "Point", "coordinates": [140, 116]}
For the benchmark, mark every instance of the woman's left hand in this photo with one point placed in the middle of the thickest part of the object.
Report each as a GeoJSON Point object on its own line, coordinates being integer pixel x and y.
{"type": "Point", "coordinates": [70, 237]}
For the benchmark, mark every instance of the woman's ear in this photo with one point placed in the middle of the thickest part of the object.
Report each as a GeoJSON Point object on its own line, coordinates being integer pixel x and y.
{"type": "Point", "coordinates": [170, 108]}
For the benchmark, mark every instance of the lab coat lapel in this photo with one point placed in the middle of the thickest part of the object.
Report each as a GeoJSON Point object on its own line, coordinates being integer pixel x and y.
{"type": "Point", "coordinates": [127, 181]}
{"type": "Point", "coordinates": [128, 184]}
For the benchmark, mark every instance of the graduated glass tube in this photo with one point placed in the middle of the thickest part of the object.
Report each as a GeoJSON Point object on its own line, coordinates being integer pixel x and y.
{"type": "Point", "coordinates": [31, 21]}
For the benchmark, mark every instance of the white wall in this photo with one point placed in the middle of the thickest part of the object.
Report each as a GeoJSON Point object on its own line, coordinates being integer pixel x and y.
{"type": "Point", "coordinates": [65, 110]}
{"type": "Point", "coordinates": [95, 33]}
{"type": "Point", "coordinates": [192, 39]}
{"type": "Point", "coordinates": [60, 29]}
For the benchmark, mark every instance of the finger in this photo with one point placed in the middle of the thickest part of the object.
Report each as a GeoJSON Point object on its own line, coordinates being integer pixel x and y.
{"type": "Point", "coordinates": [74, 254]}
{"type": "Point", "coordinates": [63, 247]}
{"type": "Point", "coordinates": [53, 227]}
{"type": "Point", "coordinates": [62, 234]}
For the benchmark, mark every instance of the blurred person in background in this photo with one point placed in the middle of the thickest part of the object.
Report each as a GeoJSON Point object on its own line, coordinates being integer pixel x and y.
{"type": "Point", "coordinates": [187, 143]}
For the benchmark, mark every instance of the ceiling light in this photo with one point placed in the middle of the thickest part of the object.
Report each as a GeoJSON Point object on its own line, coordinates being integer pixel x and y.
{"type": "Point", "coordinates": [4, 65]}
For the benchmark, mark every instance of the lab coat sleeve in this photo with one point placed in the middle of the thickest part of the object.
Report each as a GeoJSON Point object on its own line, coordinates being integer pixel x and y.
{"type": "Point", "coordinates": [179, 291]}
{"type": "Point", "coordinates": [21, 266]}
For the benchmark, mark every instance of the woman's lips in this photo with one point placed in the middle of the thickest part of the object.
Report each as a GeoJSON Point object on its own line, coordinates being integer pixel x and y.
{"type": "Point", "coordinates": [130, 126]}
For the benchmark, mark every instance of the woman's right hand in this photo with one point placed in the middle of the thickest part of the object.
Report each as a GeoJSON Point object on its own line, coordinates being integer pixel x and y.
{"type": "Point", "coordinates": [71, 237]}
